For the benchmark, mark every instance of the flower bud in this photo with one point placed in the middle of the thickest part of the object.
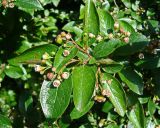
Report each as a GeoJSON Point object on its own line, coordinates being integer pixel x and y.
{"type": "Point", "coordinates": [68, 36]}
{"type": "Point", "coordinates": [66, 52]}
{"type": "Point", "coordinates": [126, 39]}
{"type": "Point", "coordinates": [109, 81]}
{"type": "Point", "coordinates": [50, 75]}
{"type": "Point", "coordinates": [127, 33]}
{"type": "Point", "coordinates": [141, 56]}
{"type": "Point", "coordinates": [110, 36]}
{"type": "Point", "coordinates": [63, 34]}
{"type": "Point", "coordinates": [11, 5]}
{"type": "Point", "coordinates": [38, 68]}
{"type": "Point", "coordinates": [99, 38]}
{"type": "Point", "coordinates": [59, 39]}
{"type": "Point", "coordinates": [53, 69]}
{"type": "Point", "coordinates": [56, 83]}
{"type": "Point", "coordinates": [122, 30]}
{"type": "Point", "coordinates": [65, 75]}
{"type": "Point", "coordinates": [100, 98]}
{"type": "Point", "coordinates": [46, 56]}
{"type": "Point", "coordinates": [116, 25]}
{"type": "Point", "coordinates": [91, 35]}
{"type": "Point", "coordinates": [106, 92]}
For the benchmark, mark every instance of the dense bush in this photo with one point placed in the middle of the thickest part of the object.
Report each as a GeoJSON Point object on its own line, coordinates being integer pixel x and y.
{"type": "Point", "coordinates": [90, 63]}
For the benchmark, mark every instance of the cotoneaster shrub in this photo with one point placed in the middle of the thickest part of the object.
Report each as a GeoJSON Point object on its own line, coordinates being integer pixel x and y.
{"type": "Point", "coordinates": [100, 70]}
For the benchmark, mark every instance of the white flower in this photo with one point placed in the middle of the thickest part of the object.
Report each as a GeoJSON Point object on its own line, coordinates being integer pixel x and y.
{"type": "Point", "coordinates": [56, 83]}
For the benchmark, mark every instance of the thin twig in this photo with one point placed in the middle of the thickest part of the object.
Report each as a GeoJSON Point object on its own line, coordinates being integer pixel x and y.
{"type": "Point", "coordinates": [77, 46]}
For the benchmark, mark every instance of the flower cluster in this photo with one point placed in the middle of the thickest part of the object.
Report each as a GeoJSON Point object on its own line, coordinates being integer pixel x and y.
{"type": "Point", "coordinates": [49, 71]}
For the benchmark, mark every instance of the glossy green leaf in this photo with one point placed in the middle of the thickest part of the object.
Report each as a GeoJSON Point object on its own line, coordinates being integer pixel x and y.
{"type": "Point", "coordinates": [117, 94]}
{"type": "Point", "coordinates": [106, 22]}
{"type": "Point", "coordinates": [137, 42]}
{"type": "Point", "coordinates": [29, 4]}
{"type": "Point", "coordinates": [127, 3]}
{"type": "Point", "coordinates": [151, 107]}
{"type": "Point", "coordinates": [61, 60]}
{"type": "Point", "coordinates": [14, 72]}
{"type": "Point", "coordinates": [75, 114]}
{"type": "Point", "coordinates": [33, 55]}
{"type": "Point", "coordinates": [55, 2]}
{"type": "Point", "coordinates": [70, 27]}
{"type": "Point", "coordinates": [103, 49]}
{"type": "Point", "coordinates": [136, 115]}
{"type": "Point", "coordinates": [132, 79]}
{"type": "Point", "coordinates": [54, 101]}
{"type": "Point", "coordinates": [107, 107]}
{"type": "Point", "coordinates": [149, 62]}
{"type": "Point", "coordinates": [83, 78]}
{"type": "Point", "coordinates": [25, 102]}
{"type": "Point", "coordinates": [126, 26]}
{"type": "Point", "coordinates": [113, 68]}
{"type": "Point", "coordinates": [91, 21]}
{"type": "Point", "coordinates": [5, 122]}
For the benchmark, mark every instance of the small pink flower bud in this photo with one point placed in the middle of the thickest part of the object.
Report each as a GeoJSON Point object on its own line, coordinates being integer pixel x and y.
{"type": "Point", "coordinates": [127, 33]}
{"type": "Point", "coordinates": [50, 75]}
{"type": "Point", "coordinates": [39, 68]}
{"type": "Point", "coordinates": [122, 30]}
{"type": "Point", "coordinates": [109, 81]}
{"type": "Point", "coordinates": [56, 83]}
{"type": "Point", "coordinates": [53, 69]}
{"type": "Point", "coordinates": [116, 25]}
{"type": "Point", "coordinates": [65, 75]}
{"type": "Point", "coordinates": [110, 36]}
{"type": "Point", "coordinates": [106, 92]}
{"type": "Point", "coordinates": [66, 52]}
{"type": "Point", "coordinates": [91, 35]}
{"type": "Point", "coordinates": [126, 39]}
{"type": "Point", "coordinates": [68, 36]}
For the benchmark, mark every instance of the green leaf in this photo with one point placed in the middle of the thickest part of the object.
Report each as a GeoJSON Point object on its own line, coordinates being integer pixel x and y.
{"type": "Point", "coordinates": [83, 78]}
{"type": "Point", "coordinates": [137, 42]}
{"type": "Point", "coordinates": [126, 26]}
{"type": "Point", "coordinates": [136, 115]}
{"type": "Point", "coordinates": [117, 94]}
{"type": "Point", "coordinates": [91, 21]}
{"type": "Point", "coordinates": [25, 103]}
{"type": "Point", "coordinates": [5, 122]}
{"type": "Point", "coordinates": [113, 68]}
{"type": "Point", "coordinates": [70, 27]}
{"type": "Point", "coordinates": [29, 4]}
{"type": "Point", "coordinates": [149, 62]}
{"type": "Point", "coordinates": [107, 107]}
{"type": "Point", "coordinates": [55, 2]}
{"type": "Point", "coordinates": [61, 60]}
{"type": "Point", "coordinates": [151, 107]}
{"type": "Point", "coordinates": [75, 114]}
{"type": "Point", "coordinates": [127, 3]}
{"type": "Point", "coordinates": [106, 22]}
{"type": "Point", "coordinates": [103, 49]}
{"type": "Point", "coordinates": [33, 55]}
{"type": "Point", "coordinates": [133, 80]}
{"type": "Point", "coordinates": [54, 101]}
{"type": "Point", "coordinates": [14, 72]}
